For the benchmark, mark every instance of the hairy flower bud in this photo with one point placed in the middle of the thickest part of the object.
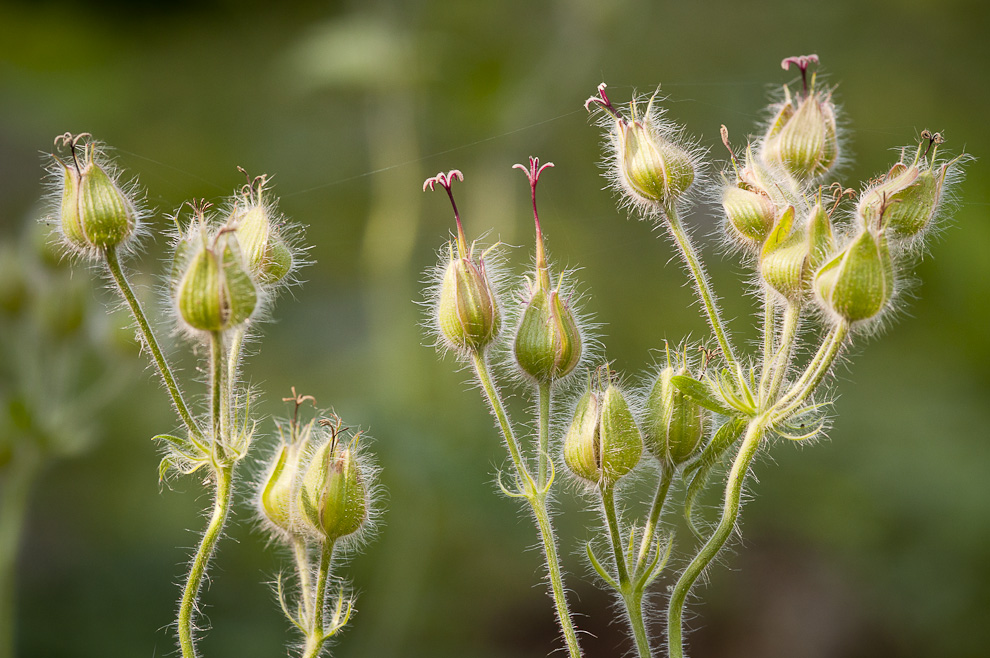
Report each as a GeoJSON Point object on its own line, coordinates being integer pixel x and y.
{"type": "Point", "coordinates": [266, 255]}
{"type": "Point", "coordinates": [750, 214]}
{"type": "Point", "coordinates": [276, 497]}
{"type": "Point", "coordinates": [548, 342]}
{"type": "Point", "coordinates": [333, 497]}
{"type": "Point", "coordinates": [653, 168]}
{"type": "Point", "coordinates": [857, 283]}
{"type": "Point", "coordinates": [213, 291]}
{"type": "Point", "coordinates": [467, 311]}
{"type": "Point", "coordinates": [674, 424]}
{"type": "Point", "coordinates": [603, 442]}
{"type": "Point", "coordinates": [94, 213]}
{"type": "Point", "coordinates": [803, 136]}
{"type": "Point", "coordinates": [792, 251]}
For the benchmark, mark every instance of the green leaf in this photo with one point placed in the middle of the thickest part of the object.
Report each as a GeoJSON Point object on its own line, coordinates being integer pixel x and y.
{"type": "Point", "coordinates": [701, 393]}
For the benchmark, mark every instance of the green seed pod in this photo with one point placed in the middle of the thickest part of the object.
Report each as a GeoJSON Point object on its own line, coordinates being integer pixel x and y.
{"type": "Point", "coordinates": [750, 214]}
{"type": "Point", "coordinates": [333, 498]}
{"type": "Point", "coordinates": [652, 168]}
{"type": "Point", "coordinates": [276, 496]}
{"type": "Point", "coordinates": [804, 139]}
{"type": "Point", "coordinates": [94, 212]}
{"type": "Point", "coordinates": [548, 342]}
{"type": "Point", "coordinates": [674, 425]}
{"type": "Point", "coordinates": [821, 240]}
{"type": "Point", "coordinates": [277, 262]}
{"type": "Point", "coordinates": [467, 311]}
{"type": "Point", "coordinates": [857, 283]}
{"type": "Point", "coordinates": [603, 442]}
{"type": "Point", "coordinates": [213, 292]}
{"type": "Point", "coordinates": [908, 196]}
{"type": "Point", "coordinates": [253, 234]}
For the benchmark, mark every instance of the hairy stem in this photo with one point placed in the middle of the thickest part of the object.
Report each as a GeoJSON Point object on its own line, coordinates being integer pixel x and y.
{"type": "Point", "coordinates": [814, 373]}
{"type": "Point", "coordinates": [663, 486]}
{"type": "Point", "coordinates": [769, 332]}
{"type": "Point", "coordinates": [711, 548]}
{"type": "Point", "coordinates": [113, 264]}
{"type": "Point", "coordinates": [782, 357]}
{"type": "Point", "coordinates": [190, 594]}
{"type": "Point", "coordinates": [537, 498]}
{"type": "Point", "coordinates": [218, 397]}
{"type": "Point", "coordinates": [21, 473]}
{"type": "Point", "coordinates": [704, 289]}
{"type": "Point", "coordinates": [302, 569]}
{"type": "Point", "coordinates": [544, 422]}
{"type": "Point", "coordinates": [631, 593]}
{"type": "Point", "coordinates": [317, 635]}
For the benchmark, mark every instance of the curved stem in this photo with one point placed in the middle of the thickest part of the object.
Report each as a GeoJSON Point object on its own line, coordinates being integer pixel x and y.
{"type": "Point", "coordinates": [190, 594]}
{"type": "Point", "coordinates": [813, 374]}
{"type": "Point", "coordinates": [113, 264]}
{"type": "Point", "coordinates": [544, 422]}
{"type": "Point", "coordinates": [495, 402]}
{"type": "Point", "coordinates": [704, 290]}
{"type": "Point", "coordinates": [539, 504]}
{"type": "Point", "coordinates": [537, 499]}
{"type": "Point", "coordinates": [317, 636]}
{"type": "Point", "coordinates": [711, 548]}
{"type": "Point", "coordinates": [631, 593]}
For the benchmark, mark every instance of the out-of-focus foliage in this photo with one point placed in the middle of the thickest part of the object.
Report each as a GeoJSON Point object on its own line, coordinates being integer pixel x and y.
{"type": "Point", "coordinates": [873, 543]}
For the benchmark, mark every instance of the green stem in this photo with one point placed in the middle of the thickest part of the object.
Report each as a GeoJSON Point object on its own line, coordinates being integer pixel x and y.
{"type": "Point", "coordinates": [539, 504]}
{"type": "Point", "coordinates": [707, 553]}
{"type": "Point", "coordinates": [302, 568]}
{"type": "Point", "coordinates": [113, 264]}
{"type": "Point", "coordinates": [190, 594]}
{"type": "Point", "coordinates": [544, 422]}
{"type": "Point", "coordinates": [782, 358]}
{"type": "Point", "coordinates": [21, 473]}
{"type": "Point", "coordinates": [495, 401]}
{"type": "Point", "coordinates": [317, 635]}
{"type": "Point", "coordinates": [218, 398]}
{"type": "Point", "coordinates": [769, 331]}
{"type": "Point", "coordinates": [537, 498]}
{"type": "Point", "coordinates": [666, 477]}
{"type": "Point", "coordinates": [704, 289]}
{"type": "Point", "coordinates": [813, 374]}
{"type": "Point", "coordinates": [631, 593]}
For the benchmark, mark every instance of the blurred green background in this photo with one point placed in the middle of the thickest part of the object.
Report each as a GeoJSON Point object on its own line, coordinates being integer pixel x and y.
{"type": "Point", "coordinates": [874, 543]}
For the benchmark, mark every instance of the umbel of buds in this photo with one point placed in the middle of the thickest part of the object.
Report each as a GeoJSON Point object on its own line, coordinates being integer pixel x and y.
{"type": "Point", "coordinates": [266, 254]}
{"type": "Point", "coordinates": [467, 311]}
{"type": "Point", "coordinates": [548, 342]}
{"type": "Point", "coordinates": [333, 497]}
{"type": "Point", "coordinates": [649, 166]}
{"type": "Point", "coordinates": [674, 424]}
{"type": "Point", "coordinates": [94, 213]}
{"type": "Point", "coordinates": [603, 442]}
{"type": "Point", "coordinates": [212, 290]}
{"type": "Point", "coordinates": [857, 283]}
{"type": "Point", "coordinates": [803, 137]}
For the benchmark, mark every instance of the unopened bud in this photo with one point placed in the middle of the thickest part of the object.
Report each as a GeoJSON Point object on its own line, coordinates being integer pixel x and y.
{"type": "Point", "coordinates": [803, 138]}
{"type": "Point", "coordinates": [603, 442]}
{"type": "Point", "coordinates": [674, 425]}
{"type": "Point", "coordinates": [857, 283]}
{"type": "Point", "coordinates": [467, 310]}
{"type": "Point", "coordinates": [333, 498]}
{"type": "Point", "coordinates": [276, 497]}
{"type": "Point", "coordinates": [548, 342]}
{"type": "Point", "coordinates": [784, 257]}
{"type": "Point", "coordinates": [750, 214]}
{"type": "Point", "coordinates": [265, 253]}
{"type": "Point", "coordinates": [94, 212]}
{"type": "Point", "coordinates": [213, 292]}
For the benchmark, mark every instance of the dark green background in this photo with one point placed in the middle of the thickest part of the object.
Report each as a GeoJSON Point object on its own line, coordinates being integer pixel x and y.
{"type": "Point", "coordinates": [874, 543]}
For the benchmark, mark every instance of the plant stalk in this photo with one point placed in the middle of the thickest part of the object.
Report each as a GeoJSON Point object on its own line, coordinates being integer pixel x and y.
{"type": "Point", "coordinates": [631, 592]}
{"type": "Point", "coordinates": [317, 636]}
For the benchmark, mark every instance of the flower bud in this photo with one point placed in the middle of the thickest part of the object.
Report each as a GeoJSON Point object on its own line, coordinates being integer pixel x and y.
{"type": "Point", "coordinates": [548, 342]}
{"type": "Point", "coordinates": [908, 197]}
{"type": "Point", "coordinates": [857, 282]}
{"type": "Point", "coordinates": [803, 139]}
{"type": "Point", "coordinates": [603, 442]}
{"type": "Point", "coordinates": [467, 311]}
{"type": "Point", "coordinates": [276, 497]}
{"type": "Point", "coordinates": [333, 498]}
{"type": "Point", "coordinates": [674, 424]}
{"type": "Point", "coordinates": [266, 255]}
{"type": "Point", "coordinates": [94, 213]}
{"type": "Point", "coordinates": [784, 257]}
{"type": "Point", "coordinates": [751, 214]}
{"type": "Point", "coordinates": [213, 292]}
{"type": "Point", "coordinates": [654, 169]}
